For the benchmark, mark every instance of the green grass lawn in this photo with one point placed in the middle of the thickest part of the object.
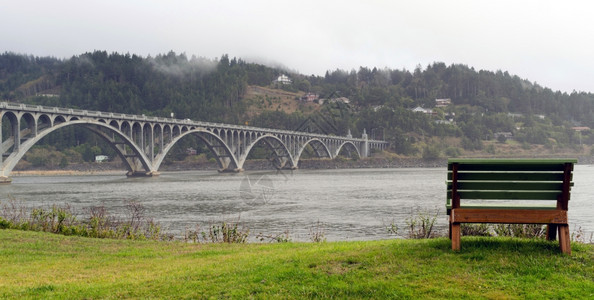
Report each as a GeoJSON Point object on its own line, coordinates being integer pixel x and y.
{"type": "Point", "coordinates": [43, 265]}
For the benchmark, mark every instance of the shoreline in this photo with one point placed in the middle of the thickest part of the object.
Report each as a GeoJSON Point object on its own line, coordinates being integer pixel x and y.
{"type": "Point", "coordinates": [64, 172]}
{"type": "Point", "coordinates": [112, 168]}
{"type": "Point", "coordinates": [251, 165]}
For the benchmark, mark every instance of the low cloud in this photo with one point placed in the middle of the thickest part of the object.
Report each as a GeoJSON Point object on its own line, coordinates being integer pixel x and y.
{"type": "Point", "coordinates": [180, 66]}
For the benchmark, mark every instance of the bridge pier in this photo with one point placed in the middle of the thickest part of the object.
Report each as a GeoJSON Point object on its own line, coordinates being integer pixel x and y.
{"type": "Point", "coordinates": [5, 180]}
{"type": "Point", "coordinates": [236, 170]}
{"type": "Point", "coordinates": [143, 174]}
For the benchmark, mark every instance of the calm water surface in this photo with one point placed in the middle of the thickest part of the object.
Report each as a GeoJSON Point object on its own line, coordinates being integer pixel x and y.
{"type": "Point", "coordinates": [348, 204]}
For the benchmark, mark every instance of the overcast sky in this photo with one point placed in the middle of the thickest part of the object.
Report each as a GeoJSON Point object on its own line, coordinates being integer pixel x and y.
{"type": "Point", "coordinates": [547, 42]}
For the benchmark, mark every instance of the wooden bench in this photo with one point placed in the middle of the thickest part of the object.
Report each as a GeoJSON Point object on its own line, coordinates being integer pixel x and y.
{"type": "Point", "coordinates": [502, 190]}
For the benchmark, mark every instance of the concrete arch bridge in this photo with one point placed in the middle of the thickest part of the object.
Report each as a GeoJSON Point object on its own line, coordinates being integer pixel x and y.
{"type": "Point", "coordinates": [143, 142]}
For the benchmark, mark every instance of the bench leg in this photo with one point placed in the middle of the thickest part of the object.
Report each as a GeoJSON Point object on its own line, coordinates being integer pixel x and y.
{"type": "Point", "coordinates": [551, 232]}
{"type": "Point", "coordinates": [564, 241]}
{"type": "Point", "coordinates": [455, 231]}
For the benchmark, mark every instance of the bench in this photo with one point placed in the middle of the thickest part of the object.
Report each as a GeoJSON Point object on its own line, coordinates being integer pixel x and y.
{"type": "Point", "coordinates": [510, 191]}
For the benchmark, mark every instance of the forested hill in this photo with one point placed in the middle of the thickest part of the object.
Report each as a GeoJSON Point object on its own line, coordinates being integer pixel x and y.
{"type": "Point", "coordinates": [483, 103]}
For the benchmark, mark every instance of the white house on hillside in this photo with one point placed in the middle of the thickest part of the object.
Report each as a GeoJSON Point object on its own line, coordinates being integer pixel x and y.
{"type": "Point", "coordinates": [443, 102]}
{"type": "Point", "coordinates": [283, 79]}
{"type": "Point", "coordinates": [427, 111]}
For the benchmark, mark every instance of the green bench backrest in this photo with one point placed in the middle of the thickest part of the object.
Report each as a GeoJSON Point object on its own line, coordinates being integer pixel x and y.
{"type": "Point", "coordinates": [504, 179]}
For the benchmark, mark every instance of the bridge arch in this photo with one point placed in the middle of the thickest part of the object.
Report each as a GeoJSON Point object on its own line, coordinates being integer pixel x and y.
{"type": "Point", "coordinates": [176, 130]}
{"type": "Point", "coordinates": [58, 119]}
{"type": "Point", "coordinates": [29, 120]}
{"type": "Point", "coordinates": [148, 136]}
{"type": "Point", "coordinates": [226, 159]}
{"type": "Point", "coordinates": [280, 149]}
{"type": "Point", "coordinates": [136, 135]}
{"type": "Point", "coordinates": [167, 134]}
{"type": "Point", "coordinates": [347, 145]}
{"type": "Point", "coordinates": [10, 162]}
{"type": "Point", "coordinates": [157, 133]}
{"type": "Point", "coordinates": [318, 146]}
{"type": "Point", "coordinates": [134, 161]}
{"type": "Point", "coordinates": [14, 130]}
{"type": "Point", "coordinates": [43, 122]}
{"type": "Point", "coordinates": [126, 128]}
{"type": "Point", "coordinates": [115, 124]}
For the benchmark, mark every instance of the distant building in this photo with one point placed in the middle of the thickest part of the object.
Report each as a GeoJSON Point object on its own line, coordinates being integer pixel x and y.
{"type": "Point", "coordinates": [310, 97]}
{"type": "Point", "coordinates": [334, 100]}
{"type": "Point", "coordinates": [517, 115]}
{"type": "Point", "coordinates": [450, 117]}
{"type": "Point", "coordinates": [282, 79]}
{"type": "Point", "coordinates": [191, 151]}
{"type": "Point", "coordinates": [580, 128]}
{"type": "Point", "coordinates": [507, 135]}
{"type": "Point", "coordinates": [443, 102]}
{"type": "Point", "coordinates": [376, 108]}
{"type": "Point", "coordinates": [48, 95]}
{"type": "Point", "coordinates": [101, 158]}
{"type": "Point", "coordinates": [426, 111]}
{"type": "Point", "coordinates": [340, 99]}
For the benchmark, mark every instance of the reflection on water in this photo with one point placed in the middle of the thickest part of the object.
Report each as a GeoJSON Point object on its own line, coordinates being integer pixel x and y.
{"type": "Point", "coordinates": [350, 204]}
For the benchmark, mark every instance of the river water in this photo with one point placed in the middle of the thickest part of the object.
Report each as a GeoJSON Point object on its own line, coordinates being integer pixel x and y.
{"type": "Point", "coordinates": [354, 204]}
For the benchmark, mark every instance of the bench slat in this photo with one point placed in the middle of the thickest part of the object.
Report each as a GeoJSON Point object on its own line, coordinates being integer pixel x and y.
{"type": "Point", "coordinates": [508, 186]}
{"type": "Point", "coordinates": [517, 216]}
{"type": "Point", "coordinates": [513, 161]}
{"type": "Point", "coordinates": [508, 195]}
{"type": "Point", "coordinates": [507, 161]}
{"type": "Point", "coordinates": [495, 206]}
{"type": "Point", "coordinates": [507, 168]}
{"type": "Point", "coordinates": [517, 176]}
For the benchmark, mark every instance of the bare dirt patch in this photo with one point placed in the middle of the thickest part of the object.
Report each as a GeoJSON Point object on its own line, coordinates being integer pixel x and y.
{"type": "Point", "coordinates": [260, 99]}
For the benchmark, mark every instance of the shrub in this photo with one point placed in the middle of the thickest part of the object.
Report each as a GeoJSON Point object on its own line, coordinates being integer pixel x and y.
{"type": "Point", "coordinates": [392, 228]}
{"type": "Point", "coordinates": [4, 224]}
{"type": "Point", "coordinates": [475, 229]}
{"type": "Point", "coordinates": [275, 238]}
{"type": "Point", "coordinates": [61, 220]}
{"type": "Point", "coordinates": [520, 230]}
{"type": "Point", "coordinates": [317, 234]}
{"type": "Point", "coordinates": [452, 152]}
{"type": "Point", "coordinates": [431, 152]}
{"type": "Point", "coordinates": [421, 226]}
{"type": "Point", "coordinates": [226, 233]}
{"type": "Point", "coordinates": [45, 156]}
{"type": "Point", "coordinates": [472, 144]}
{"type": "Point", "coordinates": [63, 162]}
{"type": "Point", "coordinates": [578, 236]}
{"type": "Point", "coordinates": [13, 211]}
{"type": "Point", "coordinates": [501, 139]}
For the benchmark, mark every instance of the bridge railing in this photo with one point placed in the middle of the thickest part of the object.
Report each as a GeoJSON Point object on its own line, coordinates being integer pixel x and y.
{"type": "Point", "coordinates": [112, 115]}
{"type": "Point", "coordinates": [47, 109]}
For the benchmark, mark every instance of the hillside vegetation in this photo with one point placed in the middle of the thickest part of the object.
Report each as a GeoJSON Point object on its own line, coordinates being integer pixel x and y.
{"type": "Point", "coordinates": [491, 113]}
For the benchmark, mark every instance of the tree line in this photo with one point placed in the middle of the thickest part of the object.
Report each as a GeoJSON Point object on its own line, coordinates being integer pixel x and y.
{"type": "Point", "coordinates": [483, 102]}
